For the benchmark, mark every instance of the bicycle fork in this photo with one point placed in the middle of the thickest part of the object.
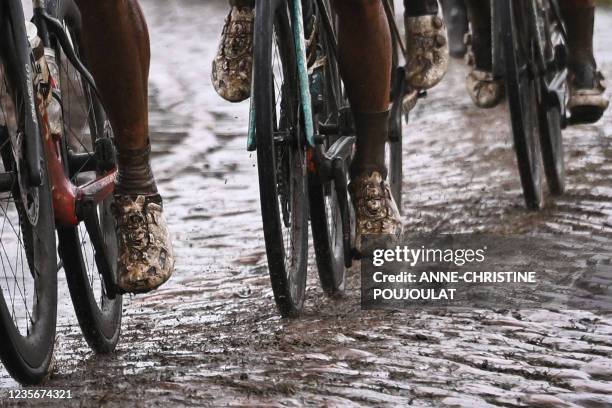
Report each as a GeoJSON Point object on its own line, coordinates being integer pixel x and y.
{"type": "Point", "coordinates": [302, 71]}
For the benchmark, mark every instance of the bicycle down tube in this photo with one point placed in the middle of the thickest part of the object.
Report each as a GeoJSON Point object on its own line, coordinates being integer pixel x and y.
{"type": "Point", "coordinates": [68, 198]}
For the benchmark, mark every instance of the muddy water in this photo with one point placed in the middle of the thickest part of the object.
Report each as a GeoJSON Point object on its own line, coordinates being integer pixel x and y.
{"type": "Point", "coordinates": [212, 336]}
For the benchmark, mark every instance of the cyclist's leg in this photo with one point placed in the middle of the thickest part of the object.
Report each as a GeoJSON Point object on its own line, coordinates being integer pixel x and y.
{"type": "Point", "coordinates": [455, 16]}
{"type": "Point", "coordinates": [426, 43]}
{"type": "Point", "coordinates": [365, 63]}
{"type": "Point", "coordinates": [483, 89]}
{"type": "Point", "coordinates": [116, 44]}
{"type": "Point", "coordinates": [587, 102]}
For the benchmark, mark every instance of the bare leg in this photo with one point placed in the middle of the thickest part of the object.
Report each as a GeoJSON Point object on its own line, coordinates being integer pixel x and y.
{"type": "Point", "coordinates": [479, 12]}
{"type": "Point", "coordinates": [455, 15]}
{"type": "Point", "coordinates": [587, 100]}
{"type": "Point", "coordinates": [485, 91]}
{"type": "Point", "coordinates": [365, 63]}
{"type": "Point", "coordinates": [116, 43]}
{"type": "Point", "coordinates": [579, 16]}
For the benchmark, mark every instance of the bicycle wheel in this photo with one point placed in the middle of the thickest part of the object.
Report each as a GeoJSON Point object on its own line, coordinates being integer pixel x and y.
{"type": "Point", "coordinates": [521, 86]}
{"type": "Point", "coordinates": [85, 125]}
{"type": "Point", "coordinates": [394, 162]}
{"type": "Point", "coordinates": [549, 117]}
{"type": "Point", "coordinates": [281, 155]}
{"type": "Point", "coordinates": [325, 216]}
{"type": "Point", "coordinates": [394, 145]}
{"type": "Point", "coordinates": [28, 261]}
{"type": "Point", "coordinates": [551, 50]}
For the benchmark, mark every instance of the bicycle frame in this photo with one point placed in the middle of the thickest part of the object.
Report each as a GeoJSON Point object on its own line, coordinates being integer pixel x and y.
{"type": "Point", "coordinates": [70, 201]}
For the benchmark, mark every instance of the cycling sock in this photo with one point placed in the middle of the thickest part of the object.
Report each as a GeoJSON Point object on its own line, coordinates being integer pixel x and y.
{"type": "Point", "coordinates": [372, 130]}
{"type": "Point", "coordinates": [416, 8]}
{"type": "Point", "coordinates": [134, 175]}
{"type": "Point", "coordinates": [479, 12]}
{"type": "Point", "coordinates": [455, 16]}
{"type": "Point", "coordinates": [579, 21]}
{"type": "Point", "coordinates": [242, 3]}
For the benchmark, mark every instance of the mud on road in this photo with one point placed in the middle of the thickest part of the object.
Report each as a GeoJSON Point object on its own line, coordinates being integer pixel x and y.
{"type": "Point", "coordinates": [212, 337]}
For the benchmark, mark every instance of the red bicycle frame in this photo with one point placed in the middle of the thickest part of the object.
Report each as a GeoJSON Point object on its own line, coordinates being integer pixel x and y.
{"type": "Point", "coordinates": [67, 197]}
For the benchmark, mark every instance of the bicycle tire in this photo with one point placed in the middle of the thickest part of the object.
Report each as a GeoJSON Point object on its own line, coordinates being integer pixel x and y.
{"type": "Point", "coordinates": [281, 163]}
{"type": "Point", "coordinates": [522, 98]}
{"type": "Point", "coordinates": [27, 353]}
{"type": "Point", "coordinates": [550, 47]}
{"type": "Point", "coordinates": [99, 316]}
{"type": "Point", "coordinates": [325, 217]}
{"type": "Point", "coordinates": [394, 152]}
{"type": "Point", "coordinates": [551, 141]}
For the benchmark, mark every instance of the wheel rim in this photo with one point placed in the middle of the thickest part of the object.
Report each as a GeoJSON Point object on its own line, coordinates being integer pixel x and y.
{"type": "Point", "coordinates": [334, 232]}
{"type": "Point", "coordinates": [551, 42]}
{"type": "Point", "coordinates": [28, 276]}
{"type": "Point", "coordinates": [290, 178]}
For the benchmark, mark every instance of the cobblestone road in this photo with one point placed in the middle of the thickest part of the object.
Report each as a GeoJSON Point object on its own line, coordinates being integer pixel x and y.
{"type": "Point", "coordinates": [212, 337]}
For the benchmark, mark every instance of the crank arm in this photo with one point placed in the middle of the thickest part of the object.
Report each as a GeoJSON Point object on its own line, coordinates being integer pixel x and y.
{"type": "Point", "coordinates": [556, 93]}
{"type": "Point", "coordinates": [339, 171]}
{"type": "Point", "coordinates": [89, 215]}
{"type": "Point", "coordinates": [341, 150]}
{"type": "Point", "coordinates": [333, 166]}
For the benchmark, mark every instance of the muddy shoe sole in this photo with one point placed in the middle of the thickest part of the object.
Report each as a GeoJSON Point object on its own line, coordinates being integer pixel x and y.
{"type": "Point", "coordinates": [586, 114]}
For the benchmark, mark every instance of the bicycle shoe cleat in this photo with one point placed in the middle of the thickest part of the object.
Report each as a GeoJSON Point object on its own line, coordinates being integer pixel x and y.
{"type": "Point", "coordinates": [233, 64]}
{"type": "Point", "coordinates": [376, 212]}
{"type": "Point", "coordinates": [485, 91]}
{"type": "Point", "coordinates": [587, 102]}
{"type": "Point", "coordinates": [145, 259]}
{"type": "Point", "coordinates": [427, 50]}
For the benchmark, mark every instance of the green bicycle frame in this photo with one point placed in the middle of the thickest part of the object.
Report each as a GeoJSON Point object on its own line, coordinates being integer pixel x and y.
{"type": "Point", "coordinates": [300, 52]}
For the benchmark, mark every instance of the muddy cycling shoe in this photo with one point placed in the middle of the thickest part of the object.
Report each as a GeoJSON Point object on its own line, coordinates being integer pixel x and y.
{"type": "Point", "coordinates": [146, 258]}
{"type": "Point", "coordinates": [485, 91]}
{"type": "Point", "coordinates": [233, 64]}
{"type": "Point", "coordinates": [427, 50]}
{"type": "Point", "coordinates": [377, 218]}
{"type": "Point", "coordinates": [587, 102]}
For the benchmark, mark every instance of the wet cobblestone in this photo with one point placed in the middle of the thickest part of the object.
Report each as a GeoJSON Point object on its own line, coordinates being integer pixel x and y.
{"type": "Point", "coordinates": [212, 337]}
